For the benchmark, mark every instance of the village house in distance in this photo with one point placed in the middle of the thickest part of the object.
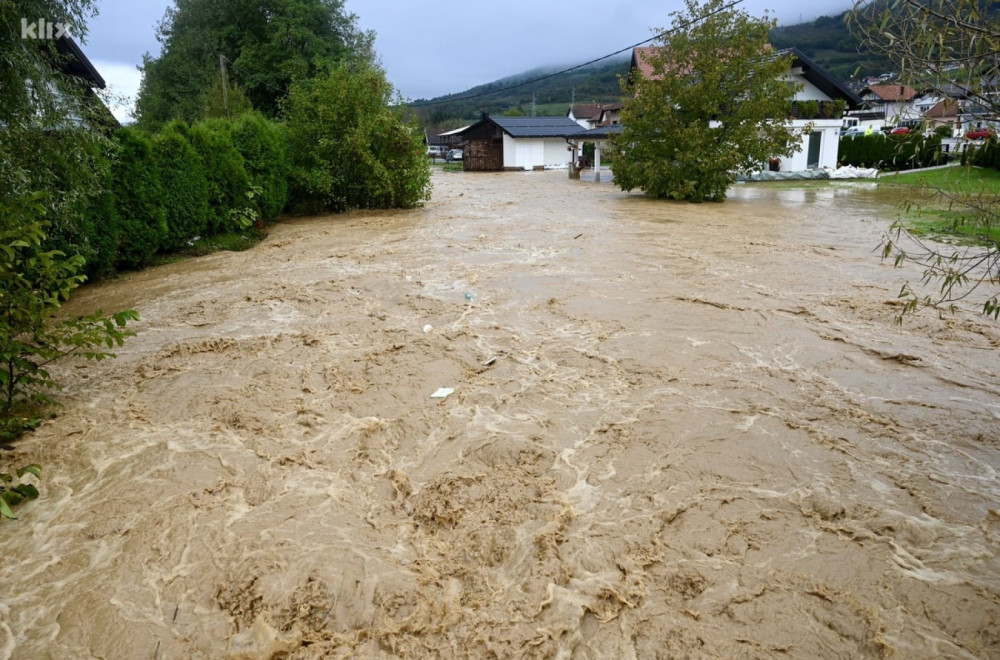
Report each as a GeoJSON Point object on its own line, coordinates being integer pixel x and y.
{"type": "Point", "coordinates": [497, 143]}
{"type": "Point", "coordinates": [818, 109]}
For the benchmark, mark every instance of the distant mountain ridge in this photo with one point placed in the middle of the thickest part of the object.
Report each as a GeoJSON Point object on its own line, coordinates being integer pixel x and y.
{"type": "Point", "coordinates": [597, 82]}
{"type": "Point", "coordinates": [826, 40]}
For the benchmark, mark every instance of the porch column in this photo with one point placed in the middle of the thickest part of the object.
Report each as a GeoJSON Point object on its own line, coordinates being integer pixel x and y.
{"type": "Point", "coordinates": [574, 171]}
{"type": "Point", "coordinates": [597, 161]}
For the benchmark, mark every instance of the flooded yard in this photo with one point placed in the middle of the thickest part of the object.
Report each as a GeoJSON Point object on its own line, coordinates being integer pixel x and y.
{"type": "Point", "coordinates": [676, 431]}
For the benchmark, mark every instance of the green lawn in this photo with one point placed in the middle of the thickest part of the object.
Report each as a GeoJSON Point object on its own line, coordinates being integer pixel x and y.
{"type": "Point", "coordinates": [960, 204]}
{"type": "Point", "coordinates": [965, 180]}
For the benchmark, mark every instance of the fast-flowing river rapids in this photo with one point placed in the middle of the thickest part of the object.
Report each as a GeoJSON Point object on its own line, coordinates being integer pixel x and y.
{"type": "Point", "coordinates": [675, 430]}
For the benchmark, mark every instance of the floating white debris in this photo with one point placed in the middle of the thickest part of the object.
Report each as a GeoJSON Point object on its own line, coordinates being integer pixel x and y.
{"type": "Point", "coordinates": [442, 392]}
{"type": "Point", "coordinates": [428, 327]}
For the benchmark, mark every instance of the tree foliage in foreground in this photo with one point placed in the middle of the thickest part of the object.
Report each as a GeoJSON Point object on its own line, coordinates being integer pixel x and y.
{"type": "Point", "coordinates": [349, 148]}
{"type": "Point", "coordinates": [53, 168]}
{"type": "Point", "coordinates": [13, 490]}
{"type": "Point", "coordinates": [952, 47]}
{"type": "Point", "coordinates": [34, 282]}
{"type": "Point", "coordinates": [714, 106]}
{"type": "Point", "coordinates": [41, 148]}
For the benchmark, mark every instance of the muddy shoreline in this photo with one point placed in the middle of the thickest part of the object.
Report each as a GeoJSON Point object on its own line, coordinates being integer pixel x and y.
{"type": "Point", "coordinates": [676, 431]}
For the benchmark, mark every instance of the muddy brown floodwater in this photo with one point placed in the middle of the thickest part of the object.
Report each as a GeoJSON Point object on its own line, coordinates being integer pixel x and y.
{"type": "Point", "coordinates": [676, 431]}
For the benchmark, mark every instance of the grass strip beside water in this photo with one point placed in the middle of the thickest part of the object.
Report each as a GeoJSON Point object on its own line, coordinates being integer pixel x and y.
{"type": "Point", "coordinates": [959, 203]}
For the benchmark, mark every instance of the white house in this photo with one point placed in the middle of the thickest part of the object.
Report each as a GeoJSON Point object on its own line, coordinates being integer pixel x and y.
{"type": "Point", "coordinates": [597, 114]}
{"type": "Point", "coordinates": [820, 142]}
{"type": "Point", "coordinates": [823, 118]}
{"type": "Point", "coordinates": [71, 61]}
{"type": "Point", "coordinates": [886, 105]}
{"type": "Point", "coordinates": [586, 115]}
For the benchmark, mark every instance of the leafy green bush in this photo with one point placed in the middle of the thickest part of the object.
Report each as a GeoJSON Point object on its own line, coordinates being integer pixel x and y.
{"type": "Point", "coordinates": [139, 200]}
{"type": "Point", "coordinates": [225, 174]}
{"type": "Point", "coordinates": [34, 281]}
{"type": "Point", "coordinates": [984, 154]}
{"type": "Point", "coordinates": [74, 179]}
{"type": "Point", "coordinates": [698, 119]}
{"type": "Point", "coordinates": [184, 185]}
{"type": "Point", "coordinates": [12, 494]}
{"type": "Point", "coordinates": [262, 146]}
{"type": "Point", "coordinates": [350, 149]}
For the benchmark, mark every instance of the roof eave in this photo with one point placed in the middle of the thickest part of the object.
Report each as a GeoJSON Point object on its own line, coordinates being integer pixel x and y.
{"type": "Point", "coordinates": [87, 71]}
{"type": "Point", "coordinates": [819, 77]}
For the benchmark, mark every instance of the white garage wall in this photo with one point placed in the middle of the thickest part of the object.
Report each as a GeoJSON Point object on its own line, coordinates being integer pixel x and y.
{"type": "Point", "coordinates": [829, 145]}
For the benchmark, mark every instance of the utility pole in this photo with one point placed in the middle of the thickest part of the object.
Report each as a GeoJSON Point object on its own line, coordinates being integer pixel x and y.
{"type": "Point", "coordinates": [533, 103]}
{"type": "Point", "coordinates": [225, 83]}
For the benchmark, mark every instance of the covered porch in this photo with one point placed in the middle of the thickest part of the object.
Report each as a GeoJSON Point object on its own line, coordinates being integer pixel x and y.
{"type": "Point", "coordinates": [599, 136]}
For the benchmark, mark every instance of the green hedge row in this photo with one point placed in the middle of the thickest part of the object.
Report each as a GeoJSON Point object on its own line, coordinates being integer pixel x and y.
{"type": "Point", "coordinates": [164, 190]}
{"type": "Point", "coordinates": [348, 146]}
{"type": "Point", "coordinates": [891, 152]}
{"type": "Point", "coordinates": [986, 154]}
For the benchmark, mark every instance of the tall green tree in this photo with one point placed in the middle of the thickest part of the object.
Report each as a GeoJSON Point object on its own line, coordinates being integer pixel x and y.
{"type": "Point", "coordinates": [266, 45]}
{"type": "Point", "coordinates": [951, 47]}
{"type": "Point", "coordinates": [711, 103]}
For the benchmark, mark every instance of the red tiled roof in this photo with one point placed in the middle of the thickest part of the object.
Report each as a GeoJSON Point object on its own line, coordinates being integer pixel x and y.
{"type": "Point", "coordinates": [640, 60]}
{"type": "Point", "coordinates": [892, 92]}
{"type": "Point", "coordinates": [586, 111]}
{"type": "Point", "coordinates": [946, 108]}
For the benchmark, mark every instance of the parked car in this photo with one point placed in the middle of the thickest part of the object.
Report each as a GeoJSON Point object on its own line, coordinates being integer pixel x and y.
{"type": "Point", "coordinates": [453, 155]}
{"type": "Point", "coordinates": [855, 131]}
{"type": "Point", "coordinates": [900, 130]}
{"type": "Point", "coordinates": [979, 134]}
{"type": "Point", "coordinates": [436, 151]}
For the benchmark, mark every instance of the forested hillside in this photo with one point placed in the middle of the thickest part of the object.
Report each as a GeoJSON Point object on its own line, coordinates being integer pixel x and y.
{"type": "Point", "coordinates": [830, 44]}
{"type": "Point", "coordinates": [550, 96]}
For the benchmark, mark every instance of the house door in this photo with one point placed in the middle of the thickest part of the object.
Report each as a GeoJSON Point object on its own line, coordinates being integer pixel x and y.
{"type": "Point", "coordinates": [812, 156]}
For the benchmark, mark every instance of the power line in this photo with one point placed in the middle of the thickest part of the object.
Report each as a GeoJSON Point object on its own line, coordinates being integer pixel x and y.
{"type": "Point", "coordinates": [579, 66]}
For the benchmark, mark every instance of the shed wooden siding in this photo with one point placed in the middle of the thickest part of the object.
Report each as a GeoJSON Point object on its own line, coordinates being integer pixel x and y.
{"type": "Point", "coordinates": [483, 155]}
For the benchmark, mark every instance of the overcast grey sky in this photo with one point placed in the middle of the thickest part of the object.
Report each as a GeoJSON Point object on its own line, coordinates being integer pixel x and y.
{"type": "Point", "coordinates": [436, 47]}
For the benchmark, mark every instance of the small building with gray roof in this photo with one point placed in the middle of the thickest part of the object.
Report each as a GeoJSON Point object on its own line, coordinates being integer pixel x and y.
{"type": "Point", "coordinates": [518, 143]}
